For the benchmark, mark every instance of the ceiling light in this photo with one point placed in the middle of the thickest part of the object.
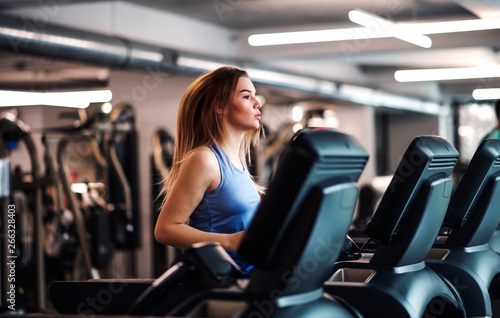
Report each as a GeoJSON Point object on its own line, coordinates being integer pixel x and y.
{"type": "Point", "coordinates": [375, 24]}
{"type": "Point", "coordinates": [453, 26]}
{"type": "Point", "coordinates": [486, 93]}
{"type": "Point", "coordinates": [313, 36]}
{"type": "Point", "coordinates": [327, 35]}
{"type": "Point", "coordinates": [77, 99]}
{"type": "Point", "coordinates": [443, 74]}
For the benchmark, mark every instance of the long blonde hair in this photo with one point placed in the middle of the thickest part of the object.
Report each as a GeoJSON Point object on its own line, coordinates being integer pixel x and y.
{"type": "Point", "coordinates": [198, 122]}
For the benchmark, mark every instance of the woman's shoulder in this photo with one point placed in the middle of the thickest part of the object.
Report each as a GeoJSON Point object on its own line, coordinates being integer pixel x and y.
{"type": "Point", "coordinates": [202, 151]}
{"type": "Point", "coordinates": [203, 165]}
{"type": "Point", "coordinates": [203, 157]}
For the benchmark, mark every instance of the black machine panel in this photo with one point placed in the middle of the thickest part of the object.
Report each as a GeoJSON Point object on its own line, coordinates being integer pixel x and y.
{"type": "Point", "coordinates": [342, 159]}
{"type": "Point", "coordinates": [425, 157]}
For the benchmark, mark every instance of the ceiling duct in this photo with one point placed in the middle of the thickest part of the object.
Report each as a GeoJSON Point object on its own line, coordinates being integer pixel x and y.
{"type": "Point", "coordinates": [21, 35]}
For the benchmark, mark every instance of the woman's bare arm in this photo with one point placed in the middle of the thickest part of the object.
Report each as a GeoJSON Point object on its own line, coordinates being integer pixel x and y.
{"type": "Point", "coordinates": [198, 174]}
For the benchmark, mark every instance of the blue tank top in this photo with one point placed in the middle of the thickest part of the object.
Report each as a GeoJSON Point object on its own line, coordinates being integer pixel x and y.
{"type": "Point", "coordinates": [230, 207]}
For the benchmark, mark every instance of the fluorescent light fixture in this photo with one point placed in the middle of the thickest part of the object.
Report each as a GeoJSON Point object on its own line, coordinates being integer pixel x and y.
{"type": "Point", "coordinates": [443, 74]}
{"type": "Point", "coordinates": [486, 93]}
{"type": "Point", "coordinates": [78, 99]}
{"type": "Point", "coordinates": [453, 26]}
{"type": "Point", "coordinates": [297, 37]}
{"type": "Point", "coordinates": [375, 24]}
{"type": "Point", "coordinates": [327, 35]}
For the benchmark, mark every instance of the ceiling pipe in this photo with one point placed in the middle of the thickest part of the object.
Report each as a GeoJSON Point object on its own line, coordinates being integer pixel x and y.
{"type": "Point", "coordinates": [22, 35]}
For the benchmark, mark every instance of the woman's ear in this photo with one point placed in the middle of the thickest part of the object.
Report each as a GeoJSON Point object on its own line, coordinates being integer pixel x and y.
{"type": "Point", "coordinates": [218, 111]}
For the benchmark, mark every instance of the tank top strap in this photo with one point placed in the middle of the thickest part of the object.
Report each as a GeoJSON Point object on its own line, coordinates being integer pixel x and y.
{"type": "Point", "coordinates": [219, 153]}
{"type": "Point", "coordinates": [224, 161]}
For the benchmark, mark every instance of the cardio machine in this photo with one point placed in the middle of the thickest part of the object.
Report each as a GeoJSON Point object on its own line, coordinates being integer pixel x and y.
{"type": "Point", "coordinates": [465, 256]}
{"type": "Point", "coordinates": [294, 238]}
{"type": "Point", "coordinates": [394, 281]}
{"type": "Point", "coordinates": [495, 240]}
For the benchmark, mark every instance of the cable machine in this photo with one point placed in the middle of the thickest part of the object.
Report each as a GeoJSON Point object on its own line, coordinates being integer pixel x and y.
{"type": "Point", "coordinates": [124, 204]}
{"type": "Point", "coordinates": [75, 215]}
{"type": "Point", "coordinates": [105, 204]}
{"type": "Point", "coordinates": [161, 163]}
{"type": "Point", "coordinates": [17, 193]}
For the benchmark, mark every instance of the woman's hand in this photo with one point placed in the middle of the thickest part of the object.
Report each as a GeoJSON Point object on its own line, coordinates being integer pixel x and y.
{"type": "Point", "coordinates": [234, 241]}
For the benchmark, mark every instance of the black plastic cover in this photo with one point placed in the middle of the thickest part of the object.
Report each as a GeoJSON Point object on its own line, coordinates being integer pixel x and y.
{"type": "Point", "coordinates": [312, 157]}
{"type": "Point", "coordinates": [473, 210]}
{"type": "Point", "coordinates": [425, 157]}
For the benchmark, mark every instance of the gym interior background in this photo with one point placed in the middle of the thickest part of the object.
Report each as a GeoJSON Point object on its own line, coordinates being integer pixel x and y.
{"type": "Point", "coordinates": [147, 52]}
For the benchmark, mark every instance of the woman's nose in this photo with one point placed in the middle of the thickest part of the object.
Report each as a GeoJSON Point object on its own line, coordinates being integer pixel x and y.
{"type": "Point", "coordinates": [257, 104]}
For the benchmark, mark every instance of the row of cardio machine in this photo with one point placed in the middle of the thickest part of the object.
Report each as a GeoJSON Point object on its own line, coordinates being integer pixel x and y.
{"type": "Point", "coordinates": [300, 229]}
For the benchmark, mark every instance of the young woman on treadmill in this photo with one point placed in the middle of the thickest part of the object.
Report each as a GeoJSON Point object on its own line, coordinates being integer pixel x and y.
{"type": "Point", "coordinates": [209, 193]}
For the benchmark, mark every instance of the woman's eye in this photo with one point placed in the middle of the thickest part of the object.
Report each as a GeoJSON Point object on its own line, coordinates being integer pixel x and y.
{"type": "Point", "coordinates": [246, 97]}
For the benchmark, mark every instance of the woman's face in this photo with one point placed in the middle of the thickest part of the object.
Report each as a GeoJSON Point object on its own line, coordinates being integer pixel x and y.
{"type": "Point", "coordinates": [243, 113]}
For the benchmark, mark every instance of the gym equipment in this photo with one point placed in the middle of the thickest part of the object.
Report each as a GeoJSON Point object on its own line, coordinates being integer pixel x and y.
{"type": "Point", "coordinates": [123, 197]}
{"type": "Point", "coordinates": [495, 241]}
{"type": "Point", "coordinates": [394, 281]}
{"type": "Point", "coordinates": [106, 214]}
{"type": "Point", "coordinates": [268, 152]}
{"type": "Point", "coordinates": [74, 203]}
{"type": "Point", "coordinates": [295, 236]}
{"type": "Point", "coordinates": [366, 208]}
{"type": "Point", "coordinates": [96, 296]}
{"type": "Point", "coordinates": [13, 130]}
{"type": "Point", "coordinates": [161, 162]}
{"type": "Point", "coordinates": [123, 160]}
{"type": "Point", "coordinates": [464, 257]}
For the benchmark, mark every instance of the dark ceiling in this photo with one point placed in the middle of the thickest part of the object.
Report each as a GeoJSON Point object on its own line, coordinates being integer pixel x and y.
{"type": "Point", "coordinates": [371, 65]}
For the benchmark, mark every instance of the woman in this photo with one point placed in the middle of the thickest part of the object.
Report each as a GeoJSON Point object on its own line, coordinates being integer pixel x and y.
{"type": "Point", "coordinates": [210, 195]}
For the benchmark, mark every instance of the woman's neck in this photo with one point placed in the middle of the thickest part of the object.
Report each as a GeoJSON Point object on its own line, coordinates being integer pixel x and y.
{"type": "Point", "coordinates": [232, 145]}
